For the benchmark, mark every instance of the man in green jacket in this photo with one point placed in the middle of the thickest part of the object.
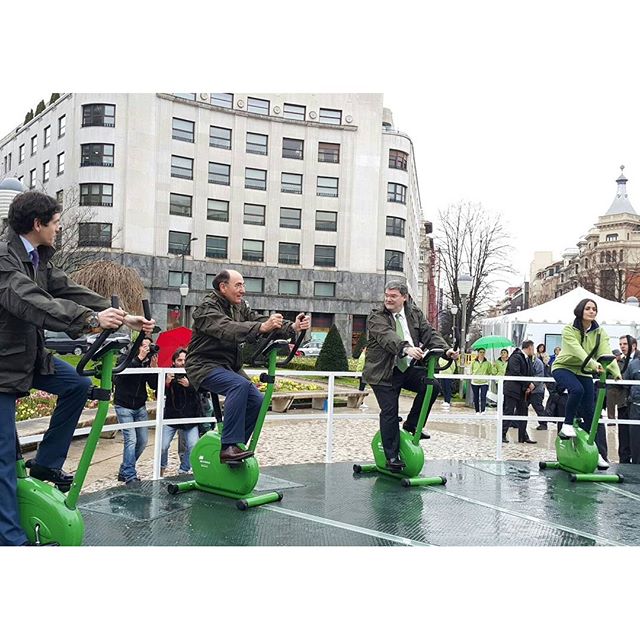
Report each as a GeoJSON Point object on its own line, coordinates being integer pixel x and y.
{"type": "Point", "coordinates": [35, 295]}
{"type": "Point", "coordinates": [221, 323]}
{"type": "Point", "coordinates": [399, 336]}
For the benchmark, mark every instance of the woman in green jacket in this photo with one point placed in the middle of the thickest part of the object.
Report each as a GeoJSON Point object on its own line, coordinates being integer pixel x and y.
{"type": "Point", "coordinates": [500, 365]}
{"type": "Point", "coordinates": [578, 340]}
{"type": "Point", "coordinates": [480, 367]}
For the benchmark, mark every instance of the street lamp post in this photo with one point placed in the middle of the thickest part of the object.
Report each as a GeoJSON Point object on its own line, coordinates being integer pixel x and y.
{"type": "Point", "coordinates": [184, 287]}
{"type": "Point", "coordinates": [454, 325]}
{"type": "Point", "coordinates": [464, 289]}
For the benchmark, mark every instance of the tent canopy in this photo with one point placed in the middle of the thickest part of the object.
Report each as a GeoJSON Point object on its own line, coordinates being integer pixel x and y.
{"type": "Point", "coordinates": [560, 310]}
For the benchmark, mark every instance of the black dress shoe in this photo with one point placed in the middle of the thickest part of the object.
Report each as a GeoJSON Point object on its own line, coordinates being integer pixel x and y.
{"type": "Point", "coordinates": [423, 435]}
{"type": "Point", "coordinates": [61, 479]}
{"type": "Point", "coordinates": [395, 464]}
{"type": "Point", "coordinates": [233, 453]}
{"type": "Point", "coordinates": [505, 440]}
{"type": "Point", "coordinates": [529, 441]}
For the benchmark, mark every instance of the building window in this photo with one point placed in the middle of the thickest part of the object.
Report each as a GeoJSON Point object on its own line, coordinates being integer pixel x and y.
{"type": "Point", "coordinates": [254, 285]}
{"type": "Point", "coordinates": [254, 214]}
{"type": "Point", "coordinates": [61, 163]}
{"type": "Point", "coordinates": [291, 183]}
{"type": "Point", "coordinates": [395, 226]}
{"type": "Point", "coordinates": [222, 100]}
{"type": "Point", "coordinates": [176, 278]}
{"type": "Point", "coordinates": [396, 193]}
{"type": "Point", "coordinates": [289, 253]}
{"type": "Point", "coordinates": [182, 167]}
{"type": "Point", "coordinates": [180, 204]}
{"type": "Point", "coordinates": [393, 260]}
{"type": "Point", "coordinates": [253, 250]}
{"type": "Point", "coordinates": [612, 237]}
{"type": "Point", "coordinates": [34, 145]}
{"type": "Point", "coordinates": [292, 148]}
{"type": "Point", "coordinates": [257, 143]}
{"type": "Point", "coordinates": [32, 179]}
{"type": "Point", "coordinates": [326, 220]}
{"type": "Point", "coordinates": [289, 287]}
{"type": "Point", "coordinates": [328, 152]}
{"type": "Point", "coordinates": [327, 187]}
{"type": "Point", "coordinates": [398, 159]}
{"type": "Point", "coordinates": [94, 234]}
{"type": "Point", "coordinates": [255, 179]}
{"type": "Point", "coordinates": [185, 96]}
{"type": "Point", "coordinates": [290, 218]}
{"type": "Point", "coordinates": [60, 197]}
{"type": "Point", "coordinates": [218, 210]}
{"type": "Point", "coordinates": [47, 136]}
{"type": "Point", "coordinates": [21, 154]}
{"type": "Point", "coordinates": [96, 155]}
{"type": "Point", "coordinates": [183, 130]}
{"type": "Point", "coordinates": [324, 256]}
{"type": "Point", "coordinates": [257, 105]}
{"type": "Point", "coordinates": [330, 116]}
{"type": "Point", "coordinates": [294, 111]}
{"type": "Point", "coordinates": [99, 115]}
{"type": "Point", "coordinates": [324, 289]}
{"type": "Point", "coordinates": [219, 173]}
{"type": "Point", "coordinates": [217, 247]}
{"type": "Point", "coordinates": [220, 137]}
{"type": "Point", "coordinates": [96, 194]}
{"type": "Point", "coordinates": [62, 126]}
{"type": "Point", "coordinates": [179, 243]}
{"type": "Point", "coordinates": [45, 171]}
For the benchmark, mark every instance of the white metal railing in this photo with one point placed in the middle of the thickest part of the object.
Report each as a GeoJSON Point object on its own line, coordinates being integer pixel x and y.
{"type": "Point", "coordinates": [330, 414]}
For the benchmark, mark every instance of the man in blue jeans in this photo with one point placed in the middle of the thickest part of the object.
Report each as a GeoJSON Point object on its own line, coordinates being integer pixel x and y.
{"type": "Point", "coordinates": [36, 295]}
{"type": "Point", "coordinates": [129, 402]}
{"type": "Point", "coordinates": [221, 323]}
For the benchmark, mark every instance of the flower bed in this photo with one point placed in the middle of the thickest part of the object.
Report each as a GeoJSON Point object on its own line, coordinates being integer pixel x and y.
{"type": "Point", "coordinates": [40, 404]}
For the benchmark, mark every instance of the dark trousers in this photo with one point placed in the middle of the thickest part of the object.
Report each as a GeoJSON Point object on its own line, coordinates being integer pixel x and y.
{"type": "Point", "coordinates": [634, 433]}
{"type": "Point", "coordinates": [535, 400]}
{"type": "Point", "coordinates": [241, 405]}
{"type": "Point", "coordinates": [71, 390]}
{"type": "Point", "coordinates": [514, 407]}
{"type": "Point", "coordinates": [624, 441]}
{"type": "Point", "coordinates": [479, 396]}
{"type": "Point", "coordinates": [447, 389]}
{"type": "Point", "coordinates": [581, 403]}
{"type": "Point", "coordinates": [413, 379]}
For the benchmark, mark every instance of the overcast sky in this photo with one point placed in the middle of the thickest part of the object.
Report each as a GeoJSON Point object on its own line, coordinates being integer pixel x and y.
{"type": "Point", "coordinates": [529, 111]}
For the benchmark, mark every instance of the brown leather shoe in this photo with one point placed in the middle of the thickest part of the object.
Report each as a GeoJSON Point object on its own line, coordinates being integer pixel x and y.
{"type": "Point", "coordinates": [233, 453]}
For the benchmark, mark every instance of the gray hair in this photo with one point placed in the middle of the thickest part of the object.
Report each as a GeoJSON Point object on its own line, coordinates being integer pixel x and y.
{"type": "Point", "coordinates": [398, 285]}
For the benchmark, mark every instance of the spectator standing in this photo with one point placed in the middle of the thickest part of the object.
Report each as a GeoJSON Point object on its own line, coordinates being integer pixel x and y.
{"type": "Point", "coordinates": [480, 367]}
{"type": "Point", "coordinates": [628, 346]}
{"type": "Point", "coordinates": [536, 397]}
{"type": "Point", "coordinates": [516, 393]}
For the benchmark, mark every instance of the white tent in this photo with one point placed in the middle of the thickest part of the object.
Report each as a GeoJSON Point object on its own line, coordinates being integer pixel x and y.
{"type": "Point", "coordinates": [544, 323]}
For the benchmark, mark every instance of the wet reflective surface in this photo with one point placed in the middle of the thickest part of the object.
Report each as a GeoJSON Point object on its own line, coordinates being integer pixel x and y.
{"type": "Point", "coordinates": [484, 503]}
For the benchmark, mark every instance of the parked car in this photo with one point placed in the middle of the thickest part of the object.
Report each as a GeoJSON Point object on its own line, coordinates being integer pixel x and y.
{"type": "Point", "coordinates": [61, 343]}
{"type": "Point", "coordinates": [310, 349]}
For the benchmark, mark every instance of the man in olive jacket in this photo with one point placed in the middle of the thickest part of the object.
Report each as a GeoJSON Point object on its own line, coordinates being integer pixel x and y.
{"type": "Point", "coordinates": [399, 335]}
{"type": "Point", "coordinates": [35, 295]}
{"type": "Point", "coordinates": [214, 358]}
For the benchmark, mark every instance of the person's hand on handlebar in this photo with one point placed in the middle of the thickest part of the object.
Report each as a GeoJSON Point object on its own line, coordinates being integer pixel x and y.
{"type": "Point", "coordinates": [453, 355]}
{"type": "Point", "coordinates": [302, 323]}
{"type": "Point", "coordinates": [414, 352]}
{"type": "Point", "coordinates": [274, 322]}
{"type": "Point", "coordinates": [139, 323]}
{"type": "Point", "coordinates": [111, 318]}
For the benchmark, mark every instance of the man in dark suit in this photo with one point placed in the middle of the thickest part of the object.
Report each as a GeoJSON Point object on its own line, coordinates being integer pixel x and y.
{"type": "Point", "coordinates": [399, 336]}
{"type": "Point", "coordinates": [516, 393]}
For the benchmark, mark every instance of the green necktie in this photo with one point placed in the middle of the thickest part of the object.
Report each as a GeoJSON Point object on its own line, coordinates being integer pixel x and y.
{"type": "Point", "coordinates": [403, 363]}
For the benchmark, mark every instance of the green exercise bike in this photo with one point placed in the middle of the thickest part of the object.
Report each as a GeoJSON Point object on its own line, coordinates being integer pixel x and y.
{"type": "Point", "coordinates": [411, 453]}
{"type": "Point", "coordinates": [47, 515]}
{"type": "Point", "coordinates": [238, 480]}
{"type": "Point", "coordinates": [579, 456]}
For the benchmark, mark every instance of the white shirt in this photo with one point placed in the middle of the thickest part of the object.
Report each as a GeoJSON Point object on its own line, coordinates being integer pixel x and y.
{"type": "Point", "coordinates": [405, 328]}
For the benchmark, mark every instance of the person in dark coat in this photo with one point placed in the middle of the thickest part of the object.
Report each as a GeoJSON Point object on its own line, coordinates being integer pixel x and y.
{"type": "Point", "coordinates": [399, 336]}
{"type": "Point", "coordinates": [34, 296]}
{"type": "Point", "coordinates": [516, 393]}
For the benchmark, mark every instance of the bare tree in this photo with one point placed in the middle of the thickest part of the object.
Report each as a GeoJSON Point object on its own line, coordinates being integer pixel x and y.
{"type": "Point", "coordinates": [473, 240]}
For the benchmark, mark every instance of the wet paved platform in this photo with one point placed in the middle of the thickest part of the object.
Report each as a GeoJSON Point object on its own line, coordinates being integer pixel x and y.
{"type": "Point", "coordinates": [484, 503]}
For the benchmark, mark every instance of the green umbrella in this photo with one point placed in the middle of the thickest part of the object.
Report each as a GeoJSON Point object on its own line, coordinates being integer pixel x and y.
{"type": "Point", "coordinates": [491, 342]}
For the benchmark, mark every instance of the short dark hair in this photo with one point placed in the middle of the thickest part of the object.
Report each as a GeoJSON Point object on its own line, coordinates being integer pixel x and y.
{"type": "Point", "coordinates": [177, 353]}
{"type": "Point", "coordinates": [527, 343]}
{"type": "Point", "coordinates": [223, 276]}
{"type": "Point", "coordinates": [504, 351]}
{"type": "Point", "coordinates": [631, 341]}
{"type": "Point", "coordinates": [398, 285]}
{"type": "Point", "coordinates": [29, 206]}
{"type": "Point", "coordinates": [543, 345]}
